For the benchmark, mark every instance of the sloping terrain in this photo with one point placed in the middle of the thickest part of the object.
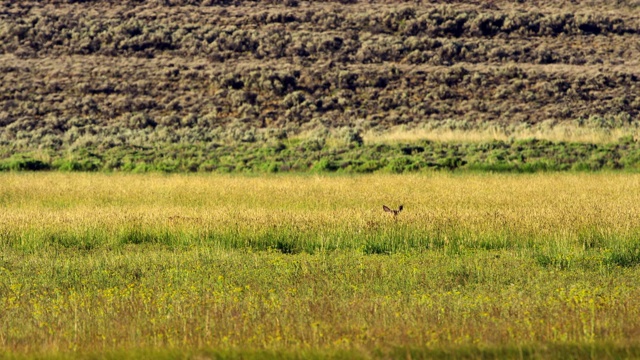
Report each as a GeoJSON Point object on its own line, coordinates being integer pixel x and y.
{"type": "Point", "coordinates": [112, 77]}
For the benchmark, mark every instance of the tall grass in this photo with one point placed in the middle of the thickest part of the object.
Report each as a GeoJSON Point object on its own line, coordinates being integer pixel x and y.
{"type": "Point", "coordinates": [466, 133]}
{"type": "Point", "coordinates": [311, 265]}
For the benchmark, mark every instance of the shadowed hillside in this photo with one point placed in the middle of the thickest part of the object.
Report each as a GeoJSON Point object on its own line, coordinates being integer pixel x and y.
{"type": "Point", "coordinates": [121, 82]}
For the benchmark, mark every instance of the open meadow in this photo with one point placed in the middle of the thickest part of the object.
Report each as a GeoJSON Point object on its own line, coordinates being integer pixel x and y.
{"type": "Point", "coordinates": [213, 266]}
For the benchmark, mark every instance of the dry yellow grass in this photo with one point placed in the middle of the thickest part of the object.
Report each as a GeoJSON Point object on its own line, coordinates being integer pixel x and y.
{"type": "Point", "coordinates": [544, 203]}
{"type": "Point", "coordinates": [556, 133]}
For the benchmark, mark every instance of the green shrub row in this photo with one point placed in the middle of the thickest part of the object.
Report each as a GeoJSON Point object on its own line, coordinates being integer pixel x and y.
{"type": "Point", "coordinates": [304, 156]}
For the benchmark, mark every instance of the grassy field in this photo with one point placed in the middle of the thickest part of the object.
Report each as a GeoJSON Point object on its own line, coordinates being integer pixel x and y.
{"type": "Point", "coordinates": [289, 85]}
{"type": "Point", "coordinates": [476, 266]}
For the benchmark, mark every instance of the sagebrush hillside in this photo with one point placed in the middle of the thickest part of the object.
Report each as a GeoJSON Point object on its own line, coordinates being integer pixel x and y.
{"type": "Point", "coordinates": [121, 78]}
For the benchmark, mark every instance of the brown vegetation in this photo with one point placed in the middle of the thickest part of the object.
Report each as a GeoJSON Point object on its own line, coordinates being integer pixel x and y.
{"type": "Point", "coordinates": [99, 73]}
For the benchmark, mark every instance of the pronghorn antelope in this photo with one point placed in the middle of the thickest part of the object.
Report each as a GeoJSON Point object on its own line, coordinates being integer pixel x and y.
{"type": "Point", "coordinates": [389, 210]}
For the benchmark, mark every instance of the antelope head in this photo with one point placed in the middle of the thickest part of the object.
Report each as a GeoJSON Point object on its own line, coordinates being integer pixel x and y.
{"type": "Point", "coordinates": [389, 210]}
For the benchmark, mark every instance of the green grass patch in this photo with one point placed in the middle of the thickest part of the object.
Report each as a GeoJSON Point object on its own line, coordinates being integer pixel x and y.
{"type": "Point", "coordinates": [528, 156]}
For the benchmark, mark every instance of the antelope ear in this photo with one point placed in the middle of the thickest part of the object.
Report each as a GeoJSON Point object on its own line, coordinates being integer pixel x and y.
{"type": "Point", "coordinates": [400, 208]}
{"type": "Point", "coordinates": [386, 208]}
